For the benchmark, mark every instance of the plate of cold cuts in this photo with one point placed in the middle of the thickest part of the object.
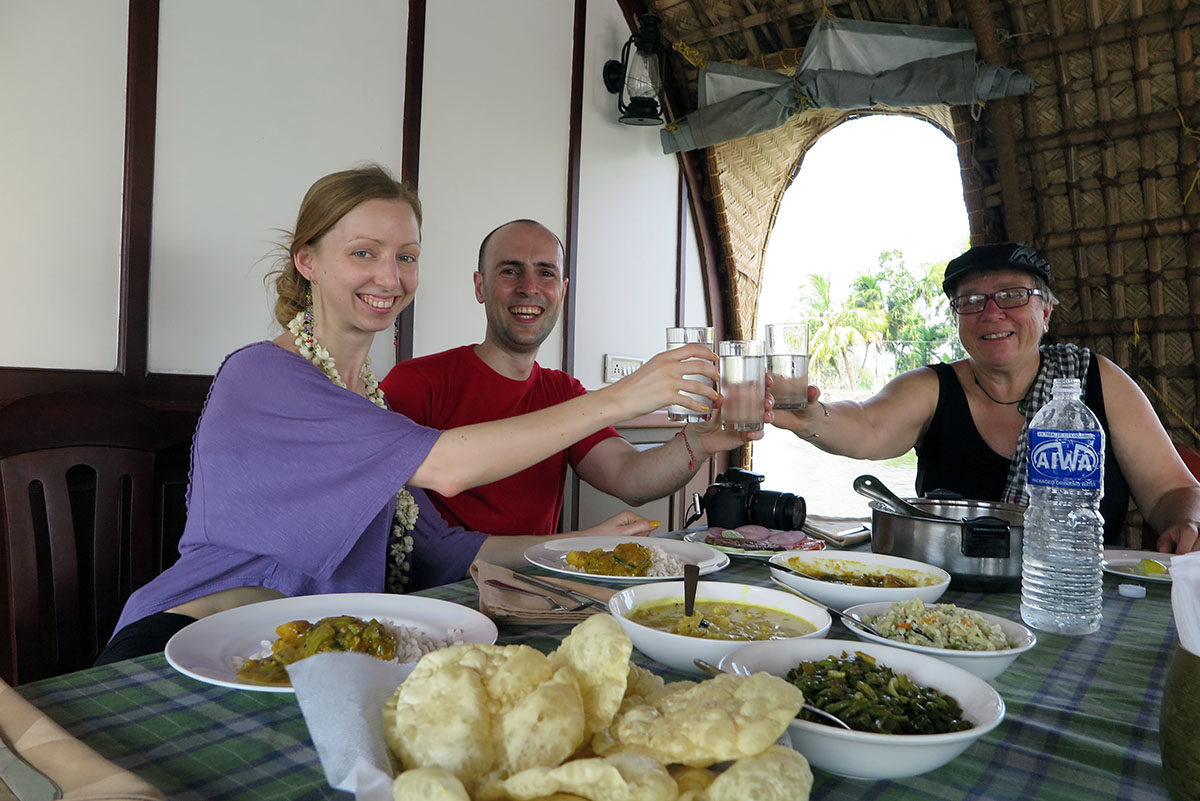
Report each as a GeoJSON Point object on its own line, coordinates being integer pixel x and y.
{"type": "Point", "coordinates": [754, 541]}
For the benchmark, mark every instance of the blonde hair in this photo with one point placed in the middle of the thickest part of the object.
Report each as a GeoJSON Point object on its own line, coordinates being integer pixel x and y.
{"type": "Point", "coordinates": [328, 200]}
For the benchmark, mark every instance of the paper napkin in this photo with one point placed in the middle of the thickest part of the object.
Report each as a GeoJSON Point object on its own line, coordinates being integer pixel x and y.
{"type": "Point", "coordinates": [841, 532]}
{"type": "Point", "coordinates": [1185, 599]}
{"type": "Point", "coordinates": [342, 696]}
{"type": "Point", "coordinates": [514, 607]}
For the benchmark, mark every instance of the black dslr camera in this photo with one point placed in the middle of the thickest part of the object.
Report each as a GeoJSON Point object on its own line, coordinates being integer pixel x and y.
{"type": "Point", "coordinates": [735, 500]}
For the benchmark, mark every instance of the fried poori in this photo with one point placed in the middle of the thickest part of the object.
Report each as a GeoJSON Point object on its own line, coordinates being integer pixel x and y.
{"type": "Point", "coordinates": [506, 722]}
{"type": "Point", "coordinates": [721, 719]}
{"type": "Point", "coordinates": [777, 774]}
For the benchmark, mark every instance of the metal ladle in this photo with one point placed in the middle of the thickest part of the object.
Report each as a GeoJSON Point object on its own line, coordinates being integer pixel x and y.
{"type": "Point", "coordinates": [875, 489]}
{"type": "Point", "coordinates": [713, 670]}
{"type": "Point", "coordinates": [691, 577]}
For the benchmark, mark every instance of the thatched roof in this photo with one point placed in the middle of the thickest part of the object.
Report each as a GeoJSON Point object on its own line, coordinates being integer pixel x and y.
{"type": "Point", "coordinates": [1097, 167]}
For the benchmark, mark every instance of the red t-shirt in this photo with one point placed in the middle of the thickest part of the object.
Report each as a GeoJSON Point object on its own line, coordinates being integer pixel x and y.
{"type": "Point", "coordinates": [456, 388]}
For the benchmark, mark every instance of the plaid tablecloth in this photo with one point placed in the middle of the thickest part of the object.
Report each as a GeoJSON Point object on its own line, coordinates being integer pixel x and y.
{"type": "Point", "coordinates": [1082, 717]}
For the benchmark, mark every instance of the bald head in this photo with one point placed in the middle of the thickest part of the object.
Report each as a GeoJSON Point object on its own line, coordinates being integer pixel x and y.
{"type": "Point", "coordinates": [515, 223]}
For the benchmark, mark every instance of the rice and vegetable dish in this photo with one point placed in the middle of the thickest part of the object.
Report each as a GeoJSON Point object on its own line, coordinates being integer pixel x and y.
{"type": "Point", "coordinates": [299, 639]}
{"type": "Point", "coordinates": [627, 559]}
{"type": "Point", "coordinates": [939, 626]}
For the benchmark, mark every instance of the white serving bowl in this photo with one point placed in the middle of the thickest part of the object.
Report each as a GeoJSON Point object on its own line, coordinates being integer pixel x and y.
{"type": "Point", "coordinates": [984, 664]}
{"type": "Point", "coordinates": [677, 650]}
{"type": "Point", "coordinates": [866, 755]}
{"type": "Point", "coordinates": [840, 596]}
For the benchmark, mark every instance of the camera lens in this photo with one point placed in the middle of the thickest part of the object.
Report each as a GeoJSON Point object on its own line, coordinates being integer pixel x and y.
{"type": "Point", "coordinates": [779, 510]}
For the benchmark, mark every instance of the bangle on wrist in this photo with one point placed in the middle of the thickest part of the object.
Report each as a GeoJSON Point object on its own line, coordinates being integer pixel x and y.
{"type": "Point", "coordinates": [815, 435]}
{"type": "Point", "coordinates": [691, 456]}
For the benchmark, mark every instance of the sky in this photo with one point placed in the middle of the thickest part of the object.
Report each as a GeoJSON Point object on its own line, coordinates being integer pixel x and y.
{"type": "Point", "coordinates": [873, 184]}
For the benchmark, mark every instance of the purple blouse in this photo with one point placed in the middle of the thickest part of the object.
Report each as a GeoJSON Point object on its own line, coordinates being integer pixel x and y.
{"type": "Point", "coordinates": [292, 487]}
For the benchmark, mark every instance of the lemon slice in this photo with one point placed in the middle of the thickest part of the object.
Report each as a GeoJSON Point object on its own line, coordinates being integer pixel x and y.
{"type": "Point", "coordinates": [1149, 567]}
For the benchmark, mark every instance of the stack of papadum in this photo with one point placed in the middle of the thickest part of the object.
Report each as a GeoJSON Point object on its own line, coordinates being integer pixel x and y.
{"type": "Point", "coordinates": [499, 723]}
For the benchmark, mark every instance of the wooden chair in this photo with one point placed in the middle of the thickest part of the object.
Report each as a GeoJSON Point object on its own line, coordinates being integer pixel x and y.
{"type": "Point", "coordinates": [76, 518]}
{"type": "Point", "coordinates": [1191, 458]}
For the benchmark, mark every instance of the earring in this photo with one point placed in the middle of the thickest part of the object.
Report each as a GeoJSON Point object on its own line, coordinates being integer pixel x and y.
{"type": "Point", "coordinates": [307, 328]}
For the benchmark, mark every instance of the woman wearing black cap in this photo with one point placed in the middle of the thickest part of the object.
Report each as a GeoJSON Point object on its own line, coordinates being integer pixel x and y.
{"type": "Point", "coordinates": [968, 419]}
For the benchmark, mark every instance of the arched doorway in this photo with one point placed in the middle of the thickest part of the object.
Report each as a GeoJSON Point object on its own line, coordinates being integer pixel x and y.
{"type": "Point", "coordinates": [875, 207]}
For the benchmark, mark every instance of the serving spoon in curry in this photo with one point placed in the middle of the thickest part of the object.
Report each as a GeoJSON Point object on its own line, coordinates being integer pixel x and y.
{"type": "Point", "coordinates": [713, 670]}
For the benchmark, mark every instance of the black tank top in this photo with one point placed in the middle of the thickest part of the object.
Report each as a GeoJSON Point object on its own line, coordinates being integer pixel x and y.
{"type": "Point", "coordinates": [953, 455]}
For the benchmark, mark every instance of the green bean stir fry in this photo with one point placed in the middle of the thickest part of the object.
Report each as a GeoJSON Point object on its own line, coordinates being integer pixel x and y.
{"type": "Point", "coordinates": [872, 698]}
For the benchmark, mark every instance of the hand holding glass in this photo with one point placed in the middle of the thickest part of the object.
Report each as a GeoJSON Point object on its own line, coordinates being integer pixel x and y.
{"type": "Point", "coordinates": [743, 384]}
{"type": "Point", "coordinates": [677, 338]}
{"type": "Point", "coordinates": [787, 362]}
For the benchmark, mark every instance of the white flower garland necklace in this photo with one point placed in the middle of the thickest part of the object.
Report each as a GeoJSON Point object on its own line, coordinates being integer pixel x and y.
{"type": "Point", "coordinates": [404, 519]}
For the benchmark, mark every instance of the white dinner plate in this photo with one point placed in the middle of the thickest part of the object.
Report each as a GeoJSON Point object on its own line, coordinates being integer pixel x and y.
{"type": "Point", "coordinates": [552, 555]}
{"type": "Point", "coordinates": [698, 538]}
{"type": "Point", "coordinates": [209, 649]}
{"type": "Point", "coordinates": [1121, 561]}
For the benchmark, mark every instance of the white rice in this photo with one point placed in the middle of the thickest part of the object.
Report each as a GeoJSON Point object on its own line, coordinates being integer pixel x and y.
{"type": "Point", "coordinates": [411, 644]}
{"type": "Point", "coordinates": [663, 564]}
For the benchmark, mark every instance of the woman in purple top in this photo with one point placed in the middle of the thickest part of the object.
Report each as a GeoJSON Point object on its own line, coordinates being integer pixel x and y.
{"type": "Point", "coordinates": [299, 470]}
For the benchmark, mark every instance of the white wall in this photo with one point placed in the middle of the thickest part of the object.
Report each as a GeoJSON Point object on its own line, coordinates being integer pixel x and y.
{"type": "Point", "coordinates": [695, 310]}
{"type": "Point", "coordinates": [255, 102]}
{"type": "Point", "coordinates": [62, 129]}
{"type": "Point", "coordinates": [494, 147]}
{"type": "Point", "coordinates": [625, 280]}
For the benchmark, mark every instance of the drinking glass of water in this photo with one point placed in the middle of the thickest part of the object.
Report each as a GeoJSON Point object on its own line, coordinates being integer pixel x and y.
{"type": "Point", "coordinates": [677, 338]}
{"type": "Point", "coordinates": [787, 363]}
{"type": "Point", "coordinates": [743, 384]}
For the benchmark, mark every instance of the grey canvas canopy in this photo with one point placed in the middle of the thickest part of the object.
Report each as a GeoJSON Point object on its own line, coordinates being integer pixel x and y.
{"type": "Point", "coordinates": [846, 64]}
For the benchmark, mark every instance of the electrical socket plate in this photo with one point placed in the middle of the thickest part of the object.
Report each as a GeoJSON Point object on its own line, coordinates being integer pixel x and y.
{"type": "Point", "coordinates": [617, 367]}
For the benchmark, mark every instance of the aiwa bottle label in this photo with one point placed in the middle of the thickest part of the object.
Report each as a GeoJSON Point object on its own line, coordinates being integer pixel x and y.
{"type": "Point", "coordinates": [1069, 459]}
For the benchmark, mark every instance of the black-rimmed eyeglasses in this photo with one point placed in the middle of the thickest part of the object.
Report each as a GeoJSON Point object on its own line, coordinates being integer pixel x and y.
{"type": "Point", "coordinates": [1011, 298]}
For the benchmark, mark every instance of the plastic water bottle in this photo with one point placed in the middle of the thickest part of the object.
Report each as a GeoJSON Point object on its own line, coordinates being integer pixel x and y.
{"type": "Point", "coordinates": [1061, 578]}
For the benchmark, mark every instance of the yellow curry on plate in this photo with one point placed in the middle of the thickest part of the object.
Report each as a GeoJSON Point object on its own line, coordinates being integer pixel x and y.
{"type": "Point", "coordinates": [299, 639]}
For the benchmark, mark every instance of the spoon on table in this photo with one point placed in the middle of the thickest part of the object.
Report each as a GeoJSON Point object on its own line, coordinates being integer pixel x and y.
{"type": "Point", "coordinates": [713, 670]}
{"type": "Point", "coordinates": [839, 614]}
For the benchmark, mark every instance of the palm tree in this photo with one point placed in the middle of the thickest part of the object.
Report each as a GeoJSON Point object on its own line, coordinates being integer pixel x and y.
{"type": "Point", "coordinates": [834, 331]}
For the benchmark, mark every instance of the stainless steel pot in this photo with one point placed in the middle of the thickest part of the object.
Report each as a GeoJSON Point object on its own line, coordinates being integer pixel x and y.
{"type": "Point", "coordinates": [977, 542]}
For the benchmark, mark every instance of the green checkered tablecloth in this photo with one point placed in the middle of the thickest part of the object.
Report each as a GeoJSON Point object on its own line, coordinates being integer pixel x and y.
{"type": "Point", "coordinates": [1082, 717]}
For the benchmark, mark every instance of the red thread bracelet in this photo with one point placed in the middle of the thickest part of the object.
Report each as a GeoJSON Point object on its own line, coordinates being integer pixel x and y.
{"type": "Point", "coordinates": [691, 456]}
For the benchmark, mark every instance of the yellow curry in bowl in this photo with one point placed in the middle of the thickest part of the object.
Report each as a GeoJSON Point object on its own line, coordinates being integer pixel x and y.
{"type": "Point", "coordinates": [720, 620]}
{"type": "Point", "coordinates": [847, 571]}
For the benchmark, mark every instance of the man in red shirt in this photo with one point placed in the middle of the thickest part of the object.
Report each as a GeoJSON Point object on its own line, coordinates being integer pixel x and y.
{"type": "Point", "coordinates": [520, 283]}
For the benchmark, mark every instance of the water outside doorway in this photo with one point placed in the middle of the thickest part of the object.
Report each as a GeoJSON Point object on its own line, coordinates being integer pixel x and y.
{"type": "Point", "coordinates": [789, 464]}
{"type": "Point", "coordinates": [871, 185]}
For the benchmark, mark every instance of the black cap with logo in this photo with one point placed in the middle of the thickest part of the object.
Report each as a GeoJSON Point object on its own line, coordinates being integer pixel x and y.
{"type": "Point", "coordinates": [1001, 256]}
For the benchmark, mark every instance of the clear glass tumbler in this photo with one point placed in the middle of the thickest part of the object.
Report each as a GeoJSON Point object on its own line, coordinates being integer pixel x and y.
{"type": "Point", "coordinates": [677, 338]}
{"type": "Point", "coordinates": [787, 363]}
{"type": "Point", "coordinates": [743, 384]}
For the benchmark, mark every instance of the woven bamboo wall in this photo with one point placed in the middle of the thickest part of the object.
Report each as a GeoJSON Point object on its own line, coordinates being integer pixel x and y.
{"type": "Point", "coordinates": [1106, 164]}
{"type": "Point", "coordinates": [1097, 166]}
